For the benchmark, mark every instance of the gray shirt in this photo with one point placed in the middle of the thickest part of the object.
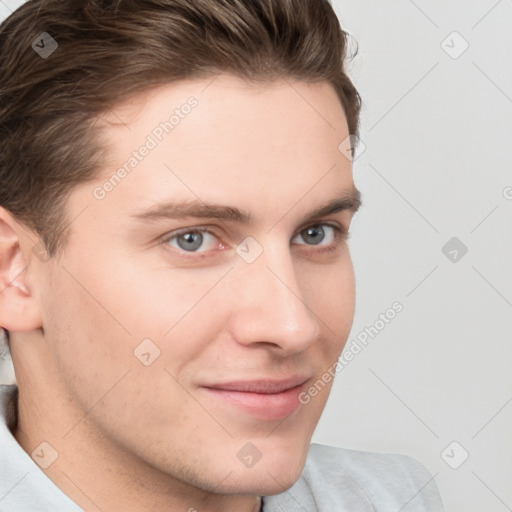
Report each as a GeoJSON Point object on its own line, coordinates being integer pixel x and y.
{"type": "Point", "coordinates": [333, 479]}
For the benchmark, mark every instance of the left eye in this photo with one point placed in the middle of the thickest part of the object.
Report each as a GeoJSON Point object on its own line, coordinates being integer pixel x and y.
{"type": "Point", "coordinates": [316, 234]}
{"type": "Point", "coordinates": [193, 239]}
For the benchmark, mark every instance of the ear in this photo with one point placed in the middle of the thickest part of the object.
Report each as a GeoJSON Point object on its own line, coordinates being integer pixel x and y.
{"type": "Point", "coordinates": [19, 311]}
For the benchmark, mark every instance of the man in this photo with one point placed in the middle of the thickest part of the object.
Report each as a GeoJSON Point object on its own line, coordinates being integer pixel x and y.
{"type": "Point", "coordinates": [176, 280]}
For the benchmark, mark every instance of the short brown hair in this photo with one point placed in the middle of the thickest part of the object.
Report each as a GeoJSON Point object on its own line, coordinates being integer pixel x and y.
{"type": "Point", "coordinates": [110, 49]}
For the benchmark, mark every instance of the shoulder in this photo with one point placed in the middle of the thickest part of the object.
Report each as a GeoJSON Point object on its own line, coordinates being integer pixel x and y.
{"type": "Point", "coordinates": [24, 487]}
{"type": "Point", "coordinates": [343, 480]}
{"type": "Point", "coordinates": [387, 481]}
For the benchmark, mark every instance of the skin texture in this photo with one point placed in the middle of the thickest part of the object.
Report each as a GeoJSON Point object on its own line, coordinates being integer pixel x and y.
{"type": "Point", "coordinates": [136, 437]}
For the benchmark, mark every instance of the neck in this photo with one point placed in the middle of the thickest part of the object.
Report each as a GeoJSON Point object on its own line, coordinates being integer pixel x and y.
{"type": "Point", "coordinates": [98, 474]}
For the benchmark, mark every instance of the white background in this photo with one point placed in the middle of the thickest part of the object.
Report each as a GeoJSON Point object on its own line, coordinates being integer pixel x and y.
{"type": "Point", "coordinates": [437, 131]}
{"type": "Point", "coordinates": [438, 136]}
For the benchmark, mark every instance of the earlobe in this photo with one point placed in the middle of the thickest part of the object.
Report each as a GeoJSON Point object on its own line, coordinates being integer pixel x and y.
{"type": "Point", "coordinates": [19, 310]}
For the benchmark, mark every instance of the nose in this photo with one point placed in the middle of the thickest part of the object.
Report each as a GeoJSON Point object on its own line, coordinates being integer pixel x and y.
{"type": "Point", "coordinates": [269, 305]}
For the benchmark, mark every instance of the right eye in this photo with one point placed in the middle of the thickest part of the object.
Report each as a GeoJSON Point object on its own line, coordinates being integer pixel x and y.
{"type": "Point", "coordinates": [189, 240]}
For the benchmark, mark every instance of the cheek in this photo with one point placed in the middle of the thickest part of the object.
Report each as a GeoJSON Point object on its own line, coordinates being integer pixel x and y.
{"type": "Point", "coordinates": [332, 296]}
{"type": "Point", "coordinates": [154, 298]}
{"type": "Point", "coordinates": [125, 305]}
{"type": "Point", "coordinates": [330, 292]}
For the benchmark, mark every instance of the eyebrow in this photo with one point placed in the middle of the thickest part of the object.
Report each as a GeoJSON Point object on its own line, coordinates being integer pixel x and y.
{"type": "Point", "coordinates": [350, 201]}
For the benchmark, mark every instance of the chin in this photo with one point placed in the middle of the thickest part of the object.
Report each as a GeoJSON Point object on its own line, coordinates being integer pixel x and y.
{"type": "Point", "coordinates": [274, 468]}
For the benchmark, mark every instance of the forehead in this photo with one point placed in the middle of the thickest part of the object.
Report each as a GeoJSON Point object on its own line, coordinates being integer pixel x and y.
{"type": "Point", "coordinates": [224, 139]}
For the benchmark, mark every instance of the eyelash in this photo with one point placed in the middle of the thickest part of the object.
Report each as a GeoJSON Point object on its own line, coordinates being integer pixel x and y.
{"type": "Point", "coordinates": [340, 234]}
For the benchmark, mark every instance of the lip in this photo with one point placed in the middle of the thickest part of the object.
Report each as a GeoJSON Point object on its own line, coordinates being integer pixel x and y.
{"type": "Point", "coordinates": [264, 399]}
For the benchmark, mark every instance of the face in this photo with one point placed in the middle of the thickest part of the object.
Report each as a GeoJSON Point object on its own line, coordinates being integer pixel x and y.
{"type": "Point", "coordinates": [186, 340]}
